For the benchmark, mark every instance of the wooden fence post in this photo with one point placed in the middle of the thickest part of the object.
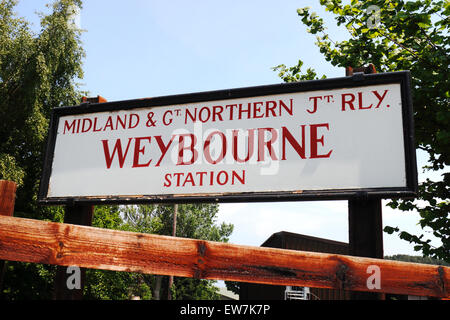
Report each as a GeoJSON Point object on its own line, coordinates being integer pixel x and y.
{"type": "Point", "coordinates": [7, 200]}
{"type": "Point", "coordinates": [174, 234]}
{"type": "Point", "coordinates": [7, 197]}
{"type": "Point", "coordinates": [79, 215]}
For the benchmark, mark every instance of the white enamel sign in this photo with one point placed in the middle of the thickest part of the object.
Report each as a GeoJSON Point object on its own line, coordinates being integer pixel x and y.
{"type": "Point", "coordinates": [349, 138]}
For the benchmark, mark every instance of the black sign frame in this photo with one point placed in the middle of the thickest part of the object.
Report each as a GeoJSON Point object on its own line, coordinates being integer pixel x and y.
{"type": "Point", "coordinates": [357, 80]}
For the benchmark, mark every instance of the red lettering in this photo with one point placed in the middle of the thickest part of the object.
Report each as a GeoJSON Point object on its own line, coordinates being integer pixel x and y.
{"type": "Point", "coordinates": [286, 135]}
{"type": "Point", "coordinates": [211, 178]}
{"type": "Point", "coordinates": [164, 118]}
{"type": "Point", "coordinates": [178, 175]}
{"type": "Point", "coordinates": [315, 104]}
{"type": "Point", "coordinates": [241, 111]}
{"type": "Point", "coordinates": [315, 140]}
{"type": "Point", "coordinates": [256, 110]}
{"type": "Point", "coordinates": [182, 148]}
{"type": "Point", "coordinates": [95, 126]}
{"type": "Point", "coordinates": [360, 102]}
{"type": "Point", "coordinates": [138, 150]}
{"type": "Point", "coordinates": [217, 113]}
{"type": "Point", "coordinates": [380, 98]}
{"type": "Point", "coordinates": [117, 148]}
{"type": "Point", "coordinates": [194, 179]}
{"type": "Point", "coordinates": [167, 177]}
{"type": "Point", "coordinates": [109, 124]}
{"type": "Point", "coordinates": [203, 118]}
{"type": "Point", "coordinates": [207, 144]}
{"type": "Point", "coordinates": [130, 122]}
{"type": "Point", "coordinates": [122, 123]}
{"type": "Point", "coordinates": [189, 178]}
{"type": "Point", "coordinates": [201, 173]}
{"type": "Point", "coordinates": [193, 117]}
{"type": "Point", "coordinates": [285, 107]}
{"type": "Point", "coordinates": [164, 148]}
{"type": "Point", "coordinates": [349, 102]}
{"type": "Point", "coordinates": [78, 125]}
{"type": "Point", "coordinates": [69, 127]}
{"type": "Point", "coordinates": [268, 144]}
{"type": "Point", "coordinates": [250, 143]}
{"type": "Point", "coordinates": [226, 178]}
{"type": "Point", "coordinates": [271, 108]}
{"type": "Point", "coordinates": [230, 107]}
{"type": "Point", "coordinates": [240, 178]}
{"type": "Point", "coordinates": [83, 128]}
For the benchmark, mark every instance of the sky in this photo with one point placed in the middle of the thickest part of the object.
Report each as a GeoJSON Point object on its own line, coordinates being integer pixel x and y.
{"type": "Point", "coordinates": [137, 48]}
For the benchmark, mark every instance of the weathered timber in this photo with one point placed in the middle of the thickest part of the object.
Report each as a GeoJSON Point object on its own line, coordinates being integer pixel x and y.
{"type": "Point", "coordinates": [7, 197]}
{"type": "Point", "coordinates": [64, 244]}
{"type": "Point", "coordinates": [7, 201]}
{"type": "Point", "coordinates": [79, 215]}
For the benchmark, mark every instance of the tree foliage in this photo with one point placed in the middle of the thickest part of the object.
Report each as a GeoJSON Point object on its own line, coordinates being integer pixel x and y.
{"type": "Point", "coordinates": [38, 72]}
{"type": "Point", "coordinates": [416, 259]}
{"type": "Point", "coordinates": [400, 35]}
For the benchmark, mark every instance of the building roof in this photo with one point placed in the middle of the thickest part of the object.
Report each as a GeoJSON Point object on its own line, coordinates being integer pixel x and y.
{"type": "Point", "coordinates": [295, 241]}
{"type": "Point", "coordinates": [226, 294]}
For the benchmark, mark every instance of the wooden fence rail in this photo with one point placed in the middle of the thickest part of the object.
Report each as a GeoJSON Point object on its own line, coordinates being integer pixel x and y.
{"type": "Point", "coordinates": [71, 245]}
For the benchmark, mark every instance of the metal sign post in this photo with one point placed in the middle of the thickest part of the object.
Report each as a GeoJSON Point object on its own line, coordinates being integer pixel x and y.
{"type": "Point", "coordinates": [365, 225]}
